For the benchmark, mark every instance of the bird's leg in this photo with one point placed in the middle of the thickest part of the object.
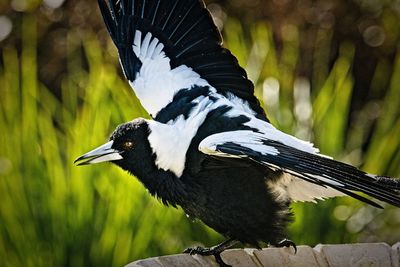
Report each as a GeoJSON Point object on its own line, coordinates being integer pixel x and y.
{"type": "Point", "coordinates": [215, 251]}
{"type": "Point", "coordinates": [287, 243]}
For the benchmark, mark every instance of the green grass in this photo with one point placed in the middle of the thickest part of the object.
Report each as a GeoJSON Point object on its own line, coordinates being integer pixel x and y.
{"type": "Point", "coordinates": [55, 214]}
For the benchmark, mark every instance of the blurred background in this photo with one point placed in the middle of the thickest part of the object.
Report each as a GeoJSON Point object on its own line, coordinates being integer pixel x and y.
{"type": "Point", "coordinates": [326, 71]}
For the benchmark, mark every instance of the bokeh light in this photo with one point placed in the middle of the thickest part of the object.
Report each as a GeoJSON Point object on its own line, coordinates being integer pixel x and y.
{"type": "Point", "coordinates": [5, 27]}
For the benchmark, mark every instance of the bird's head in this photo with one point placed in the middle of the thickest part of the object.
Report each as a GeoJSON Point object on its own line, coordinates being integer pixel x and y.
{"type": "Point", "coordinates": [128, 147]}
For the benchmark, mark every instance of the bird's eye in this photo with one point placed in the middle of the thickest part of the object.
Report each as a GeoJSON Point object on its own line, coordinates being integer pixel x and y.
{"type": "Point", "coordinates": [128, 145]}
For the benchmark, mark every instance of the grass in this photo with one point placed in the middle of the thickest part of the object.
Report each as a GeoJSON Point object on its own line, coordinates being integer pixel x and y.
{"type": "Point", "coordinates": [55, 214]}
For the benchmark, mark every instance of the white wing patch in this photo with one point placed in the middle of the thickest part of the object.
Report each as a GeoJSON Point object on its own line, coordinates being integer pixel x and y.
{"type": "Point", "coordinates": [240, 104]}
{"type": "Point", "coordinates": [156, 83]}
{"type": "Point", "coordinates": [248, 139]}
{"type": "Point", "coordinates": [271, 133]}
{"type": "Point", "coordinates": [240, 107]}
{"type": "Point", "coordinates": [289, 187]}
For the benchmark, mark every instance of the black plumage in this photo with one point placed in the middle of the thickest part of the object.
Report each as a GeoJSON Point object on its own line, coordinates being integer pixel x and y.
{"type": "Point", "coordinates": [210, 148]}
{"type": "Point", "coordinates": [228, 195]}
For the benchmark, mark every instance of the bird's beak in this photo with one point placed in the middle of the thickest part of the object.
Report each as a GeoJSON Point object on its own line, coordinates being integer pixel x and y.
{"type": "Point", "coordinates": [101, 154]}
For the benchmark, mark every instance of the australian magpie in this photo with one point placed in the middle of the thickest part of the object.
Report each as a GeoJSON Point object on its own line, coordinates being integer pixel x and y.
{"type": "Point", "coordinates": [210, 147]}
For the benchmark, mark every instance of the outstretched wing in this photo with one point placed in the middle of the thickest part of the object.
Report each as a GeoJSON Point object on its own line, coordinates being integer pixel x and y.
{"type": "Point", "coordinates": [301, 164]}
{"type": "Point", "coordinates": [165, 46]}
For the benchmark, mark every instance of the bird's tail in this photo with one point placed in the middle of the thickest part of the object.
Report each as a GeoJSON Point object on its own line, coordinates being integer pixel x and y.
{"type": "Point", "coordinates": [389, 182]}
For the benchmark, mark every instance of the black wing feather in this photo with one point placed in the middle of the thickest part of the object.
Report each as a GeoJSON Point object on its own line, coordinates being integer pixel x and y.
{"type": "Point", "coordinates": [309, 166]}
{"type": "Point", "coordinates": [189, 35]}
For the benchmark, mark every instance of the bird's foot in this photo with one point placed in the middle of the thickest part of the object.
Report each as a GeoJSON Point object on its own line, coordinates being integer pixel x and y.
{"type": "Point", "coordinates": [207, 252]}
{"type": "Point", "coordinates": [199, 250]}
{"type": "Point", "coordinates": [213, 251]}
{"type": "Point", "coordinates": [287, 243]}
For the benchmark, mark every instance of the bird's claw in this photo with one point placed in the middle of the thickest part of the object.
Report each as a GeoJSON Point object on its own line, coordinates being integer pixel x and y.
{"type": "Point", "coordinates": [196, 250]}
{"type": "Point", "coordinates": [287, 243]}
{"type": "Point", "coordinates": [207, 252]}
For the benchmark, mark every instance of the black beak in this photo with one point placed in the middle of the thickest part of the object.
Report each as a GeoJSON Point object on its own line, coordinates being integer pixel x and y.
{"type": "Point", "coordinates": [103, 153]}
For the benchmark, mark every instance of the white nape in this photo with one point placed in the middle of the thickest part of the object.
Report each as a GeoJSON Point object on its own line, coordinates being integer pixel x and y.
{"type": "Point", "coordinates": [157, 83]}
{"type": "Point", "coordinates": [170, 142]}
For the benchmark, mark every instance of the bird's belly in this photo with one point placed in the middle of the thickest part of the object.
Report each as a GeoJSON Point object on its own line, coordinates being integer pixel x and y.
{"type": "Point", "coordinates": [237, 203]}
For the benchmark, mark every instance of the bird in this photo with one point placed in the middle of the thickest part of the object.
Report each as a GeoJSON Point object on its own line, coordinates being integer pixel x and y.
{"type": "Point", "coordinates": [209, 146]}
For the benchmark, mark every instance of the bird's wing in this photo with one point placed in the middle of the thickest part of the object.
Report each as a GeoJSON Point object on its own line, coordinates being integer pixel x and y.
{"type": "Point", "coordinates": [165, 46]}
{"type": "Point", "coordinates": [301, 163]}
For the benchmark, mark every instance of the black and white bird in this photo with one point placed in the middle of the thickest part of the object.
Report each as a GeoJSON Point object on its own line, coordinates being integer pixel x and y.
{"type": "Point", "coordinates": [210, 148]}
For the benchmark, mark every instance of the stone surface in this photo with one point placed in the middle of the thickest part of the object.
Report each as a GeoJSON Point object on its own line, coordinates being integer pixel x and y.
{"type": "Point", "coordinates": [239, 258]}
{"type": "Point", "coordinates": [396, 255]}
{"type": "Point", "coordinates": [354, 255]}
{"type": "Point", "coordinates": [361, 255]}
{"type": "Point", "coordinates": [206, 261]}
{"type": "Point", "coordinates": [286, 257]}
{"type": "Point", "coordinates": [184, 260]}
{"type": "Point", "coordinates": [151, 262]}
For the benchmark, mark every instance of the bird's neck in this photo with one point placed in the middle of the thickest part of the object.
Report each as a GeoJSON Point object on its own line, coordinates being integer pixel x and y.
{"type": "Point", "coordinates": [162, 184]}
